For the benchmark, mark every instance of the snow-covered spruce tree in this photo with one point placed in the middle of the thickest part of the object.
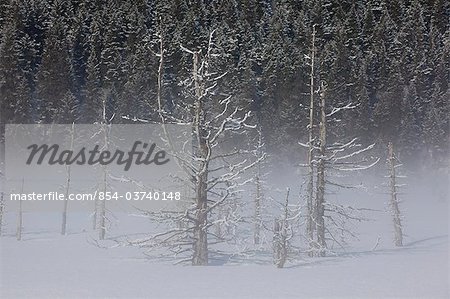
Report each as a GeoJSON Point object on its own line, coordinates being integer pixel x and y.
{"type": "Point", "coordinates": [15, 106]}
{"type": "Point", "coordinates": [53, 83]}
{"type": "Point", "coordinates": [15, 99]}
{"type": "Point", "coordinates": [214, 167]}
{"type": "Point", "coordinates": [92, 90]}
{"type": "Point", "coordinates": [394, 201]}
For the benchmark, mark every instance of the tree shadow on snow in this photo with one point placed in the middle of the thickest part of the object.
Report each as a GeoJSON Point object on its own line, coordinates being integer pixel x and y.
{"type": "Point", "coordinates": [422, 245]}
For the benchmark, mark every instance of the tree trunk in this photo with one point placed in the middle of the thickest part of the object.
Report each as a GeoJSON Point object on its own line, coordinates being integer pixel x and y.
{"type": "Point", "coordinates": [257, 233]}
{"type": "Point", "coordinates": [277, 246]}
{"type": "Point", "coordinates": [20, 217]}
{"type": "Point", "coordinates": [19, 222]}
{"type": "Point", "coordinates": [200, 246]}
{"type": "Point", "coordinates": [160, 74]}
{"type": "Point", "coordinates": [94, 216]}
{"type": "Point", "coordinates": [200, 256]}
{"type": "Point", "coordinates": [219, 231]}
{"type": "Point", "coordinates": [280, 236]}
{"type": "Point", "coordinates": [310, 219]}
{"type": "Point", "coordinates": [2, 208]}
{"type": "Point", "coordinates": [396, 217]}
{"type": "Point", "coordinates": [102, 214]}
{"type": "Point", "coordinates": [64, 216]}
{"type": "Point", "coordinates": [2, 169]}
{"type": "Point", "coordinates": [320, 191]}
{"type": "Point", "coordinates": [2, 149]}
{"type": "Point", "coordinates": [66, 201]}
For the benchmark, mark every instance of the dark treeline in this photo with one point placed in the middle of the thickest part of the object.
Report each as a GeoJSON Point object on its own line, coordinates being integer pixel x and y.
{"type": "Point", "coordinates": [60, 59]}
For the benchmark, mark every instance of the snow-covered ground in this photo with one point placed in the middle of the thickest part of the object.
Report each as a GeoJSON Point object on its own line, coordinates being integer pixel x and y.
{"type": "Point", "coordinates": [45, 264]}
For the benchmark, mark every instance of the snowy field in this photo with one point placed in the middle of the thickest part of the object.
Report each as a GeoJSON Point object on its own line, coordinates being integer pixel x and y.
{"type": "Point", "coordinates": [46, 265]}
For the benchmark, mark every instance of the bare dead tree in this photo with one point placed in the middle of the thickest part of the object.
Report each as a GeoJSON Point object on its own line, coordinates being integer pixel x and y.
{"type": "Point", "coordinates": [320, 188]}
{"type": "Point", "coordinates": [281, 235]}
{"type": "Point", "coordinates": [200, 246]}
{"type": "Point", "coordinates": [104, 185]}
{"type": "Point", "coordinates": [259, 196]}
{"type": "Point", "coordinates": [336, 158]}
{"type": "Point", "coordinates": [20, 216]}
{"type": "Point", "coordinates": [160, 55]}
{"type": "Point", "coordinates": [2, 167]}
{"type": "Point", "coordinates": [68, 179]}
{"type": "Point", "coordinates": [99, 220]}
{"type": "Point", "coordinates": [2, 209]}
{"type": "Point", "coordinates": [205, 140]}
{"type": "Point", "coordinates": [257, 220]}
{"type": "Point", "coordinates": [2, 199]}
{"type": "Point", "coordinates": [310, 226]}
{"type": "Point", "coordinates": [394, 202]}
{"type": "Point", "coordinates": [214, 171]}
{"type": "Point", "coordinates": [2, 171]}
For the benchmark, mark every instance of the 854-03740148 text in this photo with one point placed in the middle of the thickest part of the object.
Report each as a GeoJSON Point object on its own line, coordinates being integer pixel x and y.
{"type": "Point", "coordinates": [97, 195]}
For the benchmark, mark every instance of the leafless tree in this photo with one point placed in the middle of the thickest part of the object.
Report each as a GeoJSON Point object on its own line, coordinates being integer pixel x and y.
{"type": "Point", "coordinates": [20, 216]}
{"type": "Point", "coordinates": [282, 235]}
{"type": "Point", "coordinates": [326, 158]}
{"type": "Point", "coordinates": [320, 183]}
{"type": "Point", "coordinates": [2, 209]}
{"type": "Point", "coordinates": [104, 186]}
{"type": "Point", "coordinates": [214, 167]}
{"type": "Point", "coordinates": [2, 170]}
{"type": "Point", "coordinates": [394, 202]}
{"type": "Point", "coordinates": [259, 194]}
{"type": "Point", "coordinates": [99, 215]}
{"type": "Point", "coordinates": [67, 187]}
{"type": "Point", "coordinates": [310, 185]}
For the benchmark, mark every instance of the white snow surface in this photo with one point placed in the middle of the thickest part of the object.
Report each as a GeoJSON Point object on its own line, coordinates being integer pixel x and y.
{"type": "Point", "coordinates": [47, 265]}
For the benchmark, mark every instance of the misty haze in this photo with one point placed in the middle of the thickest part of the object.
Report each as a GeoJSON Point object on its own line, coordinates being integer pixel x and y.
{"type": "Point", "coordinates": [224, 149]}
